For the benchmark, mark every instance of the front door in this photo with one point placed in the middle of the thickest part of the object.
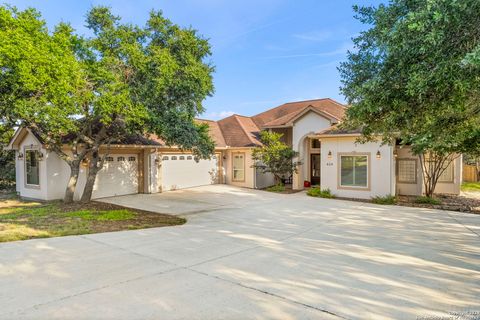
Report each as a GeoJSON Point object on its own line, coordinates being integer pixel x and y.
{"type": "Point", "coordinates": [315, 169]}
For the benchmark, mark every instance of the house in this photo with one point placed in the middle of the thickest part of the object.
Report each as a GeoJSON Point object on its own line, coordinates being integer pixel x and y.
{"type": "Point", "coordinates": [329, 157]}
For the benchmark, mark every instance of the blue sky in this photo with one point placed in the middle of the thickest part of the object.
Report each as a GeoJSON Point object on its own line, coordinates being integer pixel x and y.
{"type": "Point", "coordinates": [266, 52]}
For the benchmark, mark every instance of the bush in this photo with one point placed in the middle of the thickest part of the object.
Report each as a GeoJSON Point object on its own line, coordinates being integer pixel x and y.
{"type": "Point", "coordinates": [427, 200]}
{"type": "Point", "coordinates": [384, 200]}
{"type": "Point", "coordinates": [317, 192]}
{"type": "Point", "coordinates": [276, 188]}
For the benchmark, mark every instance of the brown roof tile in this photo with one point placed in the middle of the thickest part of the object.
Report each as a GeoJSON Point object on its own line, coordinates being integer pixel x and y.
{"type": "Point", "coordinates": [285, 112]}
{"type": "Point", "coordinates": [215, 132]}
{"type": "Point", "coordinates": [239, 131]}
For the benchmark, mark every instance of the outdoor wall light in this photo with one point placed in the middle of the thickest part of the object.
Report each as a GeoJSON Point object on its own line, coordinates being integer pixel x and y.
{"type": "Point", "coordinates": [395, 153]}
{"type": "Point", "coordinates": [40, 156]}
{"type": "Point", "coordinates": [378, 154]}
{"type": "Point", "coordinates": [157, 160]}
{"type": "Point", "coordinates": [20, 156]}
{"type": "Point", "coordinates": [329, 155]}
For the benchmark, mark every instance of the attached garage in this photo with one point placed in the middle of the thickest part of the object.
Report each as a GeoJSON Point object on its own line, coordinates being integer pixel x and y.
{"type": "Point", "coordinates": [119, 176]}
{"type": "Point", "coordinates": [180, 171]}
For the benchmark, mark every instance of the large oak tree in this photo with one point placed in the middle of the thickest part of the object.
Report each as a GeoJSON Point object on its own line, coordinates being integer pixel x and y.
{"type": "Point", "coordinates": [414, 77]}
{"type": "Point", "coordinates": [124, 80]}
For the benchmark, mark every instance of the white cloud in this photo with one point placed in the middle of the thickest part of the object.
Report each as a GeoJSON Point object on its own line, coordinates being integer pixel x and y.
{"type": "Point", "coordinates": [219, 115]}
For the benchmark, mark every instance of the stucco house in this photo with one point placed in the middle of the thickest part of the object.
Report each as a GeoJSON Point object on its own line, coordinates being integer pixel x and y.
{"type": "Point", "coordinates": [329, 157]}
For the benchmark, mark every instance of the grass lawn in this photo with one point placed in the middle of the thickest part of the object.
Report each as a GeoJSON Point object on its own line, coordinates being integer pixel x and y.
{"type": "Point", "coordinates": [21, 220]}
{"type": "Point", "coordinates": [471, 186]}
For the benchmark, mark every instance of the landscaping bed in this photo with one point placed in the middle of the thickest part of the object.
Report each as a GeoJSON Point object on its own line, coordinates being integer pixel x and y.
{"type": "Point", "coordinates": [21, 220]}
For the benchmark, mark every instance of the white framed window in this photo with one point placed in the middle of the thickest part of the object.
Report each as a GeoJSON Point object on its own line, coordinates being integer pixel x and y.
{"type": "Point", "coordinates": [165, 158]}
{"type": "Point", "coordinates": [189, 157]}
{"type": "Point", "coordinates": [238, 166]}
{"type": "Point", "coordinates": [354, 170]}
{"type": "Point", "coordinates": [32, 168]}
{"type": "Point", "coordinates": [181, 158]}
{"type": "Point", "coordinates": [109, 159]}
{"type": "Point", "coordinates": [174, 158]}
{"type": "Point", "coordinates": [407, 170]}
{"type": "Point", "coordinates": [119, 159]}
{"type": "Point", "coordinates": [132, 159]}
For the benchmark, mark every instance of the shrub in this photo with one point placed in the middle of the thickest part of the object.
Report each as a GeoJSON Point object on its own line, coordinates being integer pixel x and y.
{"type": "Point", "coordinates": [427, 200]}
{"type": "Point", "coordinates": [389, 199]}
{"type": "Point", "coordinates": [276, 188]}
{"type": "Point", "coordinates": [317, 192]}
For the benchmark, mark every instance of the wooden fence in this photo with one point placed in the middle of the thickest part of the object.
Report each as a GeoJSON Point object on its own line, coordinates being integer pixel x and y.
{"type": "Point", "coordinates": [469, 173]}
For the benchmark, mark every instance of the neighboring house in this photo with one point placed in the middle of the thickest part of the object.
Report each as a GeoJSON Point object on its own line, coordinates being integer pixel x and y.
{"type": "Point", "coordinates": [329, 157]}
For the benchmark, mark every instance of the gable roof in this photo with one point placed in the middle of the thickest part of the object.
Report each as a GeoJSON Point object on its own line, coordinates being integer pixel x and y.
{"type": "Point", "coordinates": [284, 113]}
{"type": "Point", "coordinates": [239, 131]}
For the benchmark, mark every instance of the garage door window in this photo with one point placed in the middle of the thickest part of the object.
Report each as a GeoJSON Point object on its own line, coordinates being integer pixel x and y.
{"type": "Point", "coordinates": [354, 171]}
{"type": "Point", "coordinates": [132, 159]}
{"type": "Point", "coordinates": [238, 166]}
{"type": "Point", "coordinates": [32, 168]}
{"type": "Point", "coordinates": [119, 159]}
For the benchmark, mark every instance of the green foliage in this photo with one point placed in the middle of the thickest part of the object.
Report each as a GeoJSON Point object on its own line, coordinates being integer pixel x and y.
{"type": "Point", "coordinates": [427, 200]}
{"type": "Point", "coordinates": [124, 80]}
{"type": "Point", "coordinates": [7, 160]}
{"type": "Point", "coordinates": [414, 74]}
{"type": "Point", "coordinates": [389, 199]}
{"type": "Point", "coordinates": [274, 156]}
{"type": "Point", "coordinates": [317, 192]}
{"type": "Point", "coordinates": [471, 186]}
{"type": "Point", "coordinates": [276, 188]}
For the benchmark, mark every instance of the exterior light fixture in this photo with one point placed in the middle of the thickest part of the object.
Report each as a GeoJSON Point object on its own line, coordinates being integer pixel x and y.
{"type": "Point", "coordinates": [378, 154]}
{"type": "Point", "coordinates": [330, 154]}
{"type": "Point", "coordinates": [395, 153]}
{"type": "Point", "coordinates": [157, 160]}
{"type": "Point", "coordinates": [20, 155]}
{"type": "Point", "coordinates": [40, 156]}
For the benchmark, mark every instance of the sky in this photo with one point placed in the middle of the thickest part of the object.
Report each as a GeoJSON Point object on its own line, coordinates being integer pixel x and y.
{"type": "Point", "coordinates": [265, 52]}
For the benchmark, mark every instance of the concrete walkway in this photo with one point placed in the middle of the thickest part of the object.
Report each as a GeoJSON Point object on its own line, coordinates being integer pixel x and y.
{"type": "Point", "coordinates": [250, 254]}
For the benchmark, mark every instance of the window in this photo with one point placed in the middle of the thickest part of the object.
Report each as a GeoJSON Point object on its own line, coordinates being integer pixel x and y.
{"type": "Point", "coordinates": [354, 171]}
{"type": "Point", "coordinates": [132, 159]}
{"type": "Point", "coordinates": [32, 167]}
{"type": "Point", "coordinates": [174, 157]}
{"type": "Point", "coordinates": [109, 159]}
{"type": "Point", "coordinates": [447, 175]}
{"type": "Point", "coordinates": [238, 166]}
{"type": "Point", "coordinates": [120, 159]}
{"type": "Point", "coordinates": [189, 157]}
{"type": "Point", "coordinates": [407, 170]}
{"type": "Point", "coordinates": [165, 158]}
{"type": "Point", "coordinates": [315, 143]}
{"type": "Point", "coordinates": [181, 158]}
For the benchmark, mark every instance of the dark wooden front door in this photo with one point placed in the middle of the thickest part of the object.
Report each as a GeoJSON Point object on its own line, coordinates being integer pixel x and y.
{"type": "Point", "coordinates": [315, 169]}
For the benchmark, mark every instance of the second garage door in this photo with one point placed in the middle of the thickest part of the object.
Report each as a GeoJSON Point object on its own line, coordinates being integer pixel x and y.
{"type": "Point", "coordinates": [181, 171]}
{"type": "Point", "coordinates": [119, 176]}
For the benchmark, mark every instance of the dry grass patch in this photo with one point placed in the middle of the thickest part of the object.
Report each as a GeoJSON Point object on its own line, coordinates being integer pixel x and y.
{"type": "Point", "coordinates": [21, 220]}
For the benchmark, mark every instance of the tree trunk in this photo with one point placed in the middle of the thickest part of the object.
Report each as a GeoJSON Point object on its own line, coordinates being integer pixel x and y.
{"type": "Point", "coordinates": [72, 181]}
{"type": "Point", "coordinates": [91, 176]}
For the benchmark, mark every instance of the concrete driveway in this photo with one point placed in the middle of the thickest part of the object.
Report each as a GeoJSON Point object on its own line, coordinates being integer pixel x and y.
{"type": "Point", "coordinates": [248, 254]}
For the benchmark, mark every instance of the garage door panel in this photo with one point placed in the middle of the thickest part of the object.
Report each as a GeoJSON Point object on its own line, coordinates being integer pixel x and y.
{"type": "Point", "coordinates": [187, 173]}
{"type": "Point", "coordinates": [119, 176]}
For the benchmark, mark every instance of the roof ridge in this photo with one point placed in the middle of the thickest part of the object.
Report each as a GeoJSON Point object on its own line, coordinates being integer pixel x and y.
{"type": "Point", "coordinates": [245, 130]}
{"type": "Point", "coordinates": [318, 99]}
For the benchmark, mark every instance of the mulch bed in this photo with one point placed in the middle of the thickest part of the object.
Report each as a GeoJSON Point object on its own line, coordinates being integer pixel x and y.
{"type": "Point", "coordinates": [449, 202]}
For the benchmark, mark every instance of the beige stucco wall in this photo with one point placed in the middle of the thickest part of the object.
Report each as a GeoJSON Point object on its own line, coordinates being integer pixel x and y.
{"type": "Point", "coordinates": [309, 124]}
{"type": "Point", "coordinates": [249, 181]}
{"type": "Point", "coordinates": [381, 171]}
{"type": "Point", "coordinates": [418, 188]}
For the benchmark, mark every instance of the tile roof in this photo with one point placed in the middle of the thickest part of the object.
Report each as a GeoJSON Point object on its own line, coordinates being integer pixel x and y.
{"type": "Point", "coordinates": [239, 131]}
{"type": "Point", "coordinates": [282, 114]}
{"type": "Point", "coordinates": [215, 132]}
{"type": "Point", "coordinates": [336, 130]}
{"type": "Point", "coordinates": [242, 131]}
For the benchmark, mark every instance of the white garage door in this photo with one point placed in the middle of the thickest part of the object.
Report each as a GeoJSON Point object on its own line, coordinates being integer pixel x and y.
{"type": "Point", "coordinates": [119, 176]}
{"type": "Point", "coordinates": [181, 171]}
